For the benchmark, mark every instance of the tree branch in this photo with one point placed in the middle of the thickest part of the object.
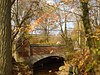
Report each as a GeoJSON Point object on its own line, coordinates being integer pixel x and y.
{"type": "Point", "coordinates": [12, 2]}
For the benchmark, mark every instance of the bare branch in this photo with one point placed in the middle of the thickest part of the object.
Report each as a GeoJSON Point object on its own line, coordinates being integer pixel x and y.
{"type": "Point", "coordinates": [12, 2]}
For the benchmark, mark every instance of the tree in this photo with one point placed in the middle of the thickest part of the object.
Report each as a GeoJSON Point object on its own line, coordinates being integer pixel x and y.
{"type": "Point", "coordinates": [86, 23]}
{"type": "Point", "coordinates": [46, 21]}
{"type": "Point", "coordinates": [23, 12]}
{"type": "Point", "coordinates": [47, 25]}
{"type": "Point", "coordinates": [83, 10]}
{"type": "Point", "coordinates": [5, 38]}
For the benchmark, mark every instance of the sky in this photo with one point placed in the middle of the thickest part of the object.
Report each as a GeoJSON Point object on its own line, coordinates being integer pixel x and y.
{"type": "Point", "coordinates": [51, 2]}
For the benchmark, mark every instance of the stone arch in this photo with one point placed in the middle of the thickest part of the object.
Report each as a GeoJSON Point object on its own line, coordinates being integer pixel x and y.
{"type": "Point", "coordinates": [49, 63]}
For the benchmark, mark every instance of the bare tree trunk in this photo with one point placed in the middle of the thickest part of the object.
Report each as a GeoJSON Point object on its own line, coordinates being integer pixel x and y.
{"type": "Point", "coordinates": [5, 38]}
{"type": "Point", "coordinates": [86, 23]}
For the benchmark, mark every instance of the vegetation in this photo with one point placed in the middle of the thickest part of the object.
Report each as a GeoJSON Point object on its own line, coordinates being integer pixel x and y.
{"type": "Point", "coordinates": [71, 24]}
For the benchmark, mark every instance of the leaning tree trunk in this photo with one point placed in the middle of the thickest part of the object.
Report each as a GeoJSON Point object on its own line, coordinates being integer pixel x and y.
{"type": "Point", "coordinates": [5, 38]}
{"type": "Point", "coordinates": [86, 22]}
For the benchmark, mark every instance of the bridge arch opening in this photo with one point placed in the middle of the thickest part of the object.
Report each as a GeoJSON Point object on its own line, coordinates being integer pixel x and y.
{"type": "Point", "coordinates": [48, 65]}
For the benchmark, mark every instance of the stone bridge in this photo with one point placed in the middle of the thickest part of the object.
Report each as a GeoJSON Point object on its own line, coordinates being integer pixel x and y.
{"type": "Point", "coordinates": [39, 57]}
{"type": "Point", "coordinates": [39, 52]}
{"type": "Point", "coordinates": [32, 53]}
